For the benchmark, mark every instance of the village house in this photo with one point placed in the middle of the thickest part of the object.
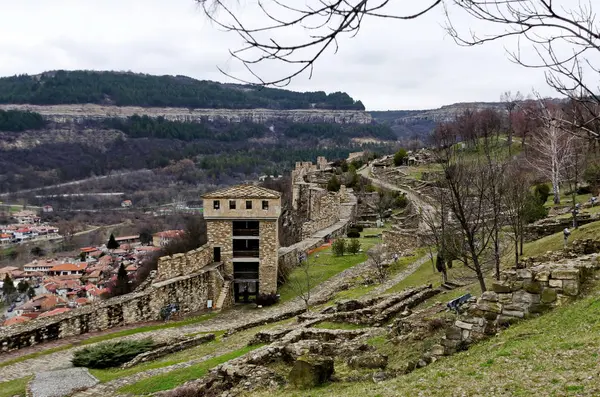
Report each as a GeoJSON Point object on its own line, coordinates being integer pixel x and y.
{"type": "Point", "coordinates": [47, 208]}
{"type": "Point", "coordinates": [161, 239]}
{"type": "Point", "coordinates": [128, 239]}
{"type": "Point", "coordinates": [26, 217]}
{"type": "Point", "coordinates": [68, 269]}
{"type": "Point", "coordinates": [5, 238]}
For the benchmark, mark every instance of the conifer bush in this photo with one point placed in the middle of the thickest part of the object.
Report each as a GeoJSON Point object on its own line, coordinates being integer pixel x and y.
{"type": "Point", "coordinates": [111, 354]}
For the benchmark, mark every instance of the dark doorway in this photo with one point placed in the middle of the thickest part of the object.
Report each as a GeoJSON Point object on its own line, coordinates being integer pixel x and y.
{"type": "Point", "coordinates": [216, 254]}
{"type": "Point", "coordinates": [245, 281]}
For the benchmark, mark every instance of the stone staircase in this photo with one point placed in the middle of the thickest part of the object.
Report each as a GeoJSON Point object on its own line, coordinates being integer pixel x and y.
{"type": "Point", "coordinates": [223, 296]}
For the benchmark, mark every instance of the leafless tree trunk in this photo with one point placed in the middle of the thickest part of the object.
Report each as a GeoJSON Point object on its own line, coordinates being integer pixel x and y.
{"type": "Point", "coordinates": [380, 266]}
{"type": "Point", "coordinates": [494, 193]}
{"type": "Point", "coordinates": [304, 283]}
{"type": "Point", "coordinates": [467, 184]}
{"type": "Point", "coordinates": [516, 182]}
{"type": "Point", "coordinates": [552, 149]}
{"type": "Point", "coordinates": [510, 103]}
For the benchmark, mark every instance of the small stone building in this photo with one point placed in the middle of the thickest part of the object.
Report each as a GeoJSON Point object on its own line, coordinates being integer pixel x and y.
{"type": "Point", "coordinates": [242, 227]}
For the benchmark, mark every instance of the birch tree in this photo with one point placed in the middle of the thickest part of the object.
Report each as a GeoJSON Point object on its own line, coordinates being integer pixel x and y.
{"type": "Point", "coordinates": [552, 149]}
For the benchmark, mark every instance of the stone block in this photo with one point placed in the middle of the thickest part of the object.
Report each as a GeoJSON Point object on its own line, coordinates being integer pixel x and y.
{"type": "Point", "coordinates": [453, 333]}
{"type": "Point", "coordinates": [548, 295]}
{"type": "Point", "coordinates": [512, 313]}
{"type": "Point", "coordinates": [501, 287]}
{"type": "Point", "coordinates": [571, 287]}
{"type": "Point", "coordinates": [476, 321]}
{"type": "Point", "coordinates": [505, 298]}
{"type": "Point", "coordinates": [466, 334]}
{"type": "Point", "coordinates": [533, 287]}
{"type": "Point", "coordinates": [543, 275]}
{"type": "Point", "coordinates": [565, 274]}
{"type": "Point", "coordinates": [524, 274]}
{"type": "Point", "coordinates": [555, 283]}
{"type": "Point", "coordinates": [310, 371]}
{"type": "Point", "coordinates": [451, 343]}
{"type": "Point", "coordinates": [525, 297]}
{"type": "Point", "coordinates": [437, 350]}
{"type": "Point", "coordinates": [493, 307]}
{"type": "Point", "coordinates": [490, 296]}
{"type": "Point", "coordinates": [463, 325]}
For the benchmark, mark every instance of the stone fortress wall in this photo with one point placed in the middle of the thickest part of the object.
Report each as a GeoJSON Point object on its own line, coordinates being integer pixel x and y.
{"type": "Point", "coordinates": [190, 280]}
{"type": "Point", "coordinates": [310, 198]}
{"type": "Point", "coordinates": [191, 291]}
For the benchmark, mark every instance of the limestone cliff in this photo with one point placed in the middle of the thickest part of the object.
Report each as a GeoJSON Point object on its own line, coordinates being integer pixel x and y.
{"type": "Point", "coordinates": [79, 113]}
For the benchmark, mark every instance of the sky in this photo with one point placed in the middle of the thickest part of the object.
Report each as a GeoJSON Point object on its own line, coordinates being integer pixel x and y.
{"type": "Point", "coordinates": [388, 65]}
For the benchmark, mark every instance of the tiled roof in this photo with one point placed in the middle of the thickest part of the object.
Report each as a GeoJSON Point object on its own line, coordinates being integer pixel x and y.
{"type": "Point", "coordinates": [16, 320]}
{"type": "Point", "coordinates": [72, 267]}
{"type": "Point", "coordinates": [55, 312]}
{"type": "Point", "coordinates": [243, 191]}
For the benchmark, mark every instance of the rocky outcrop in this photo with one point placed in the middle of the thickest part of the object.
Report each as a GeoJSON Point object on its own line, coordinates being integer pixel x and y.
{"type": "Point", "coordinates": [311, 371]}
{"type": "Point", "coordinates": [80, 113]}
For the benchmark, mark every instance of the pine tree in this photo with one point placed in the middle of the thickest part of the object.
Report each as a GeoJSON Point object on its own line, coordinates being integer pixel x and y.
{"type": "Point", "coordinates": [112, 243]}
{"type": "Point", "coordinates": [30, 292]}
{"type": "Point", "coordinates": [122, 284]}
{"type": "Point", "coordinates": [8, 288]}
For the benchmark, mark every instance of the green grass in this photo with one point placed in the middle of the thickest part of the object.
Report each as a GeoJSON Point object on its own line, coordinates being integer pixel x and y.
{"type": "Point", "coordinates": [330, 325]}
{"type": "Point", "coordinates": [110, 336]}
{"type": "Point", "coordinates": [177, 377]}
{"type": "Point", "coordinates": [360, 289]}
{"type": "Point", "coordinates": [554, 242]}
{"type": "Point", "coordinates": [14, 387]}
{"type": "Point", "coordinates": [556, 354]}
{"type": "Point", "coordinates": [326, 265]}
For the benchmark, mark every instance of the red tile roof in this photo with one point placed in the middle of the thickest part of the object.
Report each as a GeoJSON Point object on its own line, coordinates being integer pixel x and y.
{"type": "Point", "coordinates": [54, 312]}
{"type": "Point", "coordinates": [88, 249]}
{"type": "Point", "coordinates": [16, 320]}
{"type": "Point", "coordinates": [66, 267]}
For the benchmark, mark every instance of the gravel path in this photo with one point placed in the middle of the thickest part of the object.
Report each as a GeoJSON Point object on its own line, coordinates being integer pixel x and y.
{"type": "Point", "coordinates": [61, 382]}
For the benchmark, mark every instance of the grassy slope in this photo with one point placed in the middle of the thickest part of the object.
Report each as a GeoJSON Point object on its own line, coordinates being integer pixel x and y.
{"type": "Point", "coordinates": [178, 377]}
{"type": "Point", "coordinates": [553, 355]}
{"type": "Point", "coordinates": [326, 265]}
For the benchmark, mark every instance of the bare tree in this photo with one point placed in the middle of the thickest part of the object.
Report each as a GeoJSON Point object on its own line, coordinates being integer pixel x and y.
{"type": "Point", "coordinates": [510, 103]}
{"type": "Point", "coordinates": [516, 186]}
{"type": "Point", "coordinates": [552, 148]}
{"type": "Point", "coordinates": [563, 34]}
{"type": "Point", "coordinates": [467, 184]}
{"type": "Point", "coordinates": [380, 267]}
{"type": "Point", "coordinates": [302, 284]}
{"type": "Point", "coordinates": [496, 167]}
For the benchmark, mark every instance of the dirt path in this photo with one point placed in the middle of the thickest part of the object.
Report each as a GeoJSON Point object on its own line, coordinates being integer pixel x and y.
{"type": "Point", "coordinates": [424, 207]}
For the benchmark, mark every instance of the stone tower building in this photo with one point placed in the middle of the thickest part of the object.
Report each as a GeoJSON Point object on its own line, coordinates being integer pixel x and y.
{"type": "Point", "coordinates": [242, 227]}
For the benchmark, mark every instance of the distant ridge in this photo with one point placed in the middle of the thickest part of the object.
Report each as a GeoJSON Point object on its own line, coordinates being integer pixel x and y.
{"type": "Point", "coordinates": [133, 89]}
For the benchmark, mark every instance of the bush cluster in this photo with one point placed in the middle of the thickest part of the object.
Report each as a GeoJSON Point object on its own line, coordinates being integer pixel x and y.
{"type": "Point", "coordinates": [267, 299]}
{"type": "Point", "coordinates": [111, 354]}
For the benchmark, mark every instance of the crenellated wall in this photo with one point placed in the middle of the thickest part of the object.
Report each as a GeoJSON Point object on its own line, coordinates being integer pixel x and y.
{"type": "Point", "coordinates": [191, 292]}
{"type": "Point", "coordinates": [182, 264]}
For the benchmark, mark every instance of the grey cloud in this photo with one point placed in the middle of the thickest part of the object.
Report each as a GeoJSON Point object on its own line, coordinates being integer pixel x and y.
{"type": "Point", "coordinates": [389, 65]}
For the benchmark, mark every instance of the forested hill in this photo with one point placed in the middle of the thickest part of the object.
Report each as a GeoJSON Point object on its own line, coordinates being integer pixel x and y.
{"type": "Point", "coordinates": [132, 89]}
